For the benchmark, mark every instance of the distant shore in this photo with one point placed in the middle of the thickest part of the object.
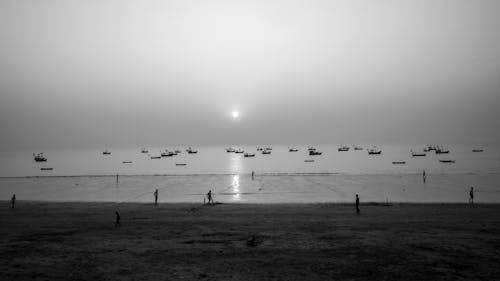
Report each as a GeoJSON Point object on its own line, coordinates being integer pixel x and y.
{"type": "Point", "coordinates": [79, 241]}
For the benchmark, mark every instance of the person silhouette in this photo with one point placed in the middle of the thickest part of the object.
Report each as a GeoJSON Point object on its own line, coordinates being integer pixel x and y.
{"type": "Point", "coordinates": [424, 176]}
{"type": "Point", "coordinates": [156, 197]}
{"type": "Point", "coordinates": [471, 196]}
{"type": "Point", "coordinates": [357, 204]}
{"type": "Point", "coordinates": [253, 174]}
{"type": "Point", "coordinates": [117, 222]}
{"type": "Point", "coordinates": [13, 201]}
{"type": "Point", "coordinates": [209, 197]}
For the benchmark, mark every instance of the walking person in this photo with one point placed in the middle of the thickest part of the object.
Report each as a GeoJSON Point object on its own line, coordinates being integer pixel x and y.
{"type": "Point", "coordinates": [117, 221]}
{"type": "Point", "coordinates": [156, 197]}
{"type": "Point", "coordinates": [424, 176]}
{"type": "Point", "coordinates": [471, 196]}
{"type": "Point", "coordinates": [357, 204]}
{"type": "Point", "coordinates": [13, 201]}
{"type": "Point", "coordinates": [209, 197]}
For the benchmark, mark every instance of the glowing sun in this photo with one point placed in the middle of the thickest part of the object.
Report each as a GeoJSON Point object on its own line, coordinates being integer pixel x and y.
{"type": "Point", "coordinates": [235, 114]}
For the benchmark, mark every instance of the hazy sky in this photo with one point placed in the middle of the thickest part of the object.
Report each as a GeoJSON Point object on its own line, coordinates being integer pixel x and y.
{"type": "Point", "coordinates": [102, 73]}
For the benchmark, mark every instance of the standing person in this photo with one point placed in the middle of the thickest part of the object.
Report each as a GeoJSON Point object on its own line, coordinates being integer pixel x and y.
{"type": "Point", "coordinates": [424, 177]}
{"type": "Point", "coordinates": [13, 201]}
{"type": "Point", "coordinates": [116, 178]}
{"type": "Point", "coordinates": [209, 197]}
{"type": "Point", "coordinates": [253, 174]}
{"type": "Point", "coordinates": [117, 222]}
{"type": "Point", "coordinates": [471, 196]}
{"type": "Point", "coordinates": [156, 197]}
{"type": "Point", "coordinates": [357, 204]}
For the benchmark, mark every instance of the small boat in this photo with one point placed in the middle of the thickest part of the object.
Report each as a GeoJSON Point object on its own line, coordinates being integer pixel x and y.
{"type": "Point", "coordinates": [398, 162]}
{"type": "Point", "coordinates": [155, 157]}
{"type": "Point", "coordinates": [167, 154]}
{"type": "Point", "coordinates": [374, 151]}
{"type": "Point", "coordinates": [441, 151]}
{"type": "Point", "coordinates": [357, 147]}
{"type": "Point", "coordinates": [416, 154]}
{"type": "Point", "coordinates": [239, 151]}
{"type": "Point", "coordinates": [429, 148]}
{"type": "Point", "coordinates": [230, 149]}
{"type": "Point", "coordinates": [191, 151]}
{"type": "Point", "coordinates": [309, 161]}
{"type": "Point", "coordinates": [106, 152]}
{"type": "Point", "coordinates": [46, 169]}
{"type": "Point", "coordinates": [447, 161]}
{"type": "Point", "coordinates": [477, 150]}
{"type": "Point", "coordinates": [293, 150]}
{"type": "Point", "coordinates": [39, 157]}
{"type": "Point", "coordinates": [314, 152]}
{"type": "Point", "coordinates": [180, 164]}
{"type": "Point", "coordinates": [343, 148]}
{"type": "Point", "coordinates": [144, 150]}
{"type": "Point", "coordinates": [249, 154]}
{"type": "Point", "coordinates": [266, 152]}
{"type": "Point", "coordinates": [126, 162]}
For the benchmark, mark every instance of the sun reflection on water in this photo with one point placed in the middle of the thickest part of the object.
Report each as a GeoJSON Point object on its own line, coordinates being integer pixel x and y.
{"type": "Point", "coordinates": [236, 187]}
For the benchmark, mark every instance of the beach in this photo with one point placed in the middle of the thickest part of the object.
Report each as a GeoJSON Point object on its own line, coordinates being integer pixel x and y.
{"type": "Point", "coordinates": [191, 241]}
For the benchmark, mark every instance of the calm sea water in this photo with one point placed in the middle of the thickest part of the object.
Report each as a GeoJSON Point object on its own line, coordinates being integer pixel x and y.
{"type": "Point", "coordinates": [215, 160]}
{"type": "Point", "coordinates": [282, 176]}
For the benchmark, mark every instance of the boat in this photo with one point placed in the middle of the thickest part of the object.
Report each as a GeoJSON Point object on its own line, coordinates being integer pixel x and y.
{"type": "Point", "coordinates": [314, 152]}
{"type": "Point", "coordinates": [249, 154]}
{"type": "Point", "coordinates": [191, 151]}
{"type": "Point", "coordinates": [416, 154]}
{"type": "Point", "coordinates": [106, 152]}
{"type": "Point", "coordinates": [167, 154]}
{"type": "Point", "coordinates": [126, 162]}
{"type": "Point", "coordinates": [266, 152]}
{"type": "Point", "coordinates": [293, 150]}
{"type": "Point", "coordinates": [144, 150]}
{"type": "Point", "coordinates": [39, 157]}
{"type": "Point", "coordinates": [239, 151]}
{"type": "Point", "coordinates": [429, 148]}
{"type": "Point", "coordinates": [230, 149]}
{"type": "Point", "coordinates": [155, 157]}
{"type": "Point", "coordinates": [343, 148]}
{"type": "Point", "coordinates": [477, 150]}
{"type": "Point", "coordinates": [308, 161]}
{"type": "Point", "coordinates": [374, 151]}
{"type": "Point", "coordinates": [357, 147]}
{"type": "Point", "coordinates": [180, 164]}
{"type": "Point", "coordinates": [398, 162]}
{"type": "Point", "coordinates": [46, 169]}
{"type": "Point", "coordinates": [447, 161]}
{"type": "Point", "coordinates": [440, 150]}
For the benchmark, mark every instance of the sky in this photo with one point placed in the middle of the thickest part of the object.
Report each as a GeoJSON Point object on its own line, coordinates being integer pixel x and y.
{"type": "Point", "coordinates": [104, 73]}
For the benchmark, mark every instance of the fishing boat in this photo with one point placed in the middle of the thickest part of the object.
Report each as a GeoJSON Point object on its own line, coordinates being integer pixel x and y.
{"type": "Point", "coordinates": [39, 157]}
{"type": "Point", "coordinates": [144, 150]}
{"type": "Point", "coordinates": [249, 154]}
{"type": "Point", "coordinates": [266, 152]}
{"type": "Point", "coordinates": [191, 151]}
{"type": "Point", "coordinates": [126, 162]}
{"type": "Point", "coordinates": [374, 151]}
{"type": "Point", "coordinates": [398, 162]}
{"type": "Point", "coordinates": [357, 147]}
{"type": "Point", "coordinates": [343, 148]}
{"type": "Point", "coordinates": [106, 152]}
{"type": "Point", "coordinates": [477, 150]}
{"type": "Point", "coordinates": [46, 169]}
{"type": "Point", "coordinates": [155, 157]}
{"type": "Point", "coordinates": [293, 149]}
{"type": "Point", "coordinates": [447, 161]}
{"type": "Point", "coordinates": [229, 149]}
{"type": "Point", "coordinates": [167, 154]}
{"type": "Point", "coordinates": [239, 151]}
{"type": "Point", "coordinates": [309, 161]}
{"type": "Point", "coordinates": [180, 164]}
{"type": "Point", "coordinates": [314, 152]}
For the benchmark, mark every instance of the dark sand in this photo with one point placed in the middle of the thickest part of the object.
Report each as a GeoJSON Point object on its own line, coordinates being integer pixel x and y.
{"type": "Point", "coordinates": [78, 241]}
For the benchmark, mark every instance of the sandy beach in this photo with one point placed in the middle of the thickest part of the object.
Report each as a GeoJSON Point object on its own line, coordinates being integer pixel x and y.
{"type": "Point", "coordinates": [78, 241]}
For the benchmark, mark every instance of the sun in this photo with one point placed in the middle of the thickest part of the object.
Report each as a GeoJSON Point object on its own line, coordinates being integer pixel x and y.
{"type": "Point", "coordinates": [235, 114]}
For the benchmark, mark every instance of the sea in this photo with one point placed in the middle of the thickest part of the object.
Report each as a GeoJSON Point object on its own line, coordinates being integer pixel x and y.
{"type": "Point", "coordinates": [130, 175]}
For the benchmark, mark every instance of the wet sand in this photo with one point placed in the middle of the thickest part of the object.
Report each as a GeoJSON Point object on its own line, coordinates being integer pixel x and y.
{"type": "Point", "coordinates": [78, 241]}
